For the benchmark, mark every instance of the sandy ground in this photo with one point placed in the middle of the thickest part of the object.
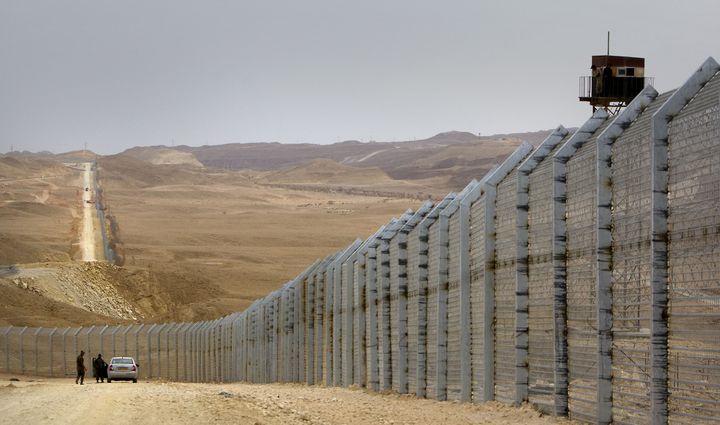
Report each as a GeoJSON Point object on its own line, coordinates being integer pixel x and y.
{"type": "Point", "coordinates": [60, 401]}
{"type": "Point", "coordinates": [196, 244]}
{"type": "Point", "coordinates": [221, 228]}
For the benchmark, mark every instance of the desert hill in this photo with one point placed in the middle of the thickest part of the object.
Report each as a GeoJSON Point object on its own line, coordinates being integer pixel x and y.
{"type": "Point", "coordinates": [197, 238]}
{"type": "Point", "coordinates": [27, 166]}
{"type": "Point", "coordinates": [446, 161]}
{"type": "Point", "coordinates": [326, 171]}
{"type": "Point", "coordinates": [163, 156]}
{"type": "Point", "coordinates": [326, 175]}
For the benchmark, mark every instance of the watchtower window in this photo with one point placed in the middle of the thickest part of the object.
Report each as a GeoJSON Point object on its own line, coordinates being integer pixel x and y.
{"type": "Point", "coordinates": [630, 72]}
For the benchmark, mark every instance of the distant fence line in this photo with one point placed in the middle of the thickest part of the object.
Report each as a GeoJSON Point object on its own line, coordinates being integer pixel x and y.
{"type": "Point", "coordinates": [581, 276]}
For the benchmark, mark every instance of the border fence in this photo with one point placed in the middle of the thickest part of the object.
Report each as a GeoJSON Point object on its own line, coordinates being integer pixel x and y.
{"type": "Point", "coordinates": [582, 276]}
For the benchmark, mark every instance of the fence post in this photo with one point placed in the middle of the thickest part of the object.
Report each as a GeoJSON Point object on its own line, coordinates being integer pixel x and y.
{"type": "Point", "coordinates": [348, 271]}
{"type": "Point", "coordinates": [337, 324]}
{"type": "Point", "coordinates": [149, 349]}
{"type": "Point", "coordinates": [187, 352]}
{"type": "Point", "coordinates": [114, 344]}
{"type": "Point", "coordinates": [371, 314]}
{"type": "Point", "coordinates": [159, 349]}
{"type": "Point", "coordinates": [35, 348]}
{"type": "Point", "coordinates": [442, 301]}
{"type": "Point", "coordinates": [75, 341]}
{"type": "Point", "coordinates": [50, 348]}
{"type": "Point", "coordinates": [659, 271]}
{"type": "Point", "coordinates": [464, 290]}
{"type": "Point", "coordinates": [310, 327]}
{"type": "Point", "coordinates": [200, 353]}
{"type": "Point", "coordinates": [22, 351]}
{"type": "Point", "coordinates": [206, 351]}
{"type": "Point", "coordinates": [181, 330]}
{"type": "Point", "coordinates": [560, 158]}
{"type": "Point", "coordinates": [102, 338]}
{"type": "Point", "coordinates": [604, 247]}
{"type": "Point", "coordinates": [167, 349]}
{"type": "Point", "coordinates": [383, 278]}
{"type": "Point", "coordinates": [137, 343]}
{"type": "Point", "coordinates": [522, 300]}
{"type": "Point", "coordinates": [489, 296]}
{"type": "Point", "coordinates": [64, 345]}
{"type": "Point", "coordinates": [87, 340]}
{"type": "Point", "coordinates": [7, 348]}
{"type": "Point", "coordinates": [125, 350]}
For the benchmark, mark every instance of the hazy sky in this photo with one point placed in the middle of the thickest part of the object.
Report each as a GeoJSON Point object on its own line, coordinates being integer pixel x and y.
{"type": "Point", "coordinates": [122, 73]}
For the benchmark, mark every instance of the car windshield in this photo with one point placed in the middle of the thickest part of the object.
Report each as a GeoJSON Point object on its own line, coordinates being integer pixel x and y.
{"type": "Point", "coordinates": [121, 361]}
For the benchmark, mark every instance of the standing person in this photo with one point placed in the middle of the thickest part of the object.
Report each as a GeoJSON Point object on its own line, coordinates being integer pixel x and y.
{"type": "Point", "coordinates": [100, 369]}
{"type": "Point", "coordinates": [80, 363]}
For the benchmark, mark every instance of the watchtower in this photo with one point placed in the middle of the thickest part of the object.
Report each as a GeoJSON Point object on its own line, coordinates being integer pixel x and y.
{"type": "Point", "coordinates": [614, 82]}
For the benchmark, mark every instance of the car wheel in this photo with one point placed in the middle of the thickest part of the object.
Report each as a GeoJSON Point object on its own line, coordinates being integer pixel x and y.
{"type": "Point", "coordinates": [134, 381]}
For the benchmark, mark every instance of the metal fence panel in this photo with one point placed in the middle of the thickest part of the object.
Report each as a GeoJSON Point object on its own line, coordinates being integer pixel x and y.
{"type": "Point", "coordinates": [383, 315]}
{"type": "Point", "coordinates": [631, 269]}
{"type": "Point", "coordinates": [309, 326]}
{"type": "Point", "coordinates": [348, 271]}
{"type": "Point", "coordinates": [505, 271]}
{"type": "Point", "coordinates": [359, 303]}
{"type": "Point", "coordinates": [477, 297]}
{"type": "Point", "coordinates": [371, 304]}
{"type": "Point", "coordinates": [396, 269]}
{"type": "Point", "coordinates": [581, 282]}
{"type": "Point", "coordinates": [542, 245]}
{"type": "Point", "coordinates": [416, 272]}
{"type": "Point", "coordinates": [541, 371]}
{"type": "Point", "coordinates": [319, 325]}
{"type": "Point", "coordinates": [454, 379]}
{"type": "Point", "coordinates": [431, 369]}
{"type": "Point", "coordinates": [694, 260]}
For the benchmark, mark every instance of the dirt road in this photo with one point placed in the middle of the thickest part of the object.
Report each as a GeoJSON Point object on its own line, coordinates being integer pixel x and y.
{"type": "Point", "coordinates": [60, 401]}
{"type": "Point", "coordinates": [87, 235]}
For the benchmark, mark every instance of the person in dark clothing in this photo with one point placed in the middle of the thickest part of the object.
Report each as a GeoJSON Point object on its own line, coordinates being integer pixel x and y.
{"type": "Point", "coordinates": [606, 81]}
{"type": "Point", "coordinates": [80, 363]}
{"type": "Point", "coordinates": [100, 368]}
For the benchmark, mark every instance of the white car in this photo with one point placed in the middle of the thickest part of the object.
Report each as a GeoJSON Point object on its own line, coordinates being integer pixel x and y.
{"type": "Point", "coordinates": [122, 369]}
